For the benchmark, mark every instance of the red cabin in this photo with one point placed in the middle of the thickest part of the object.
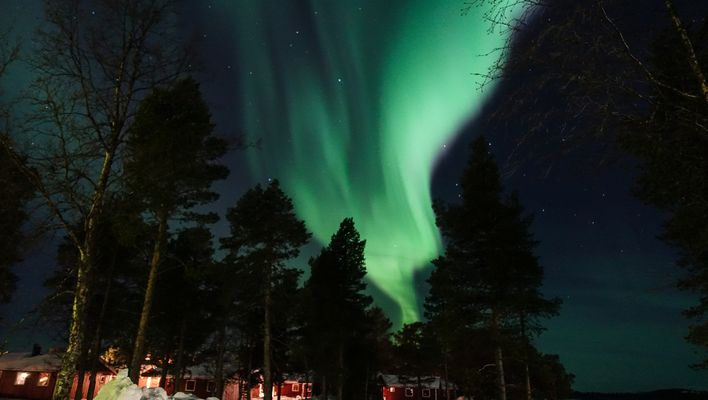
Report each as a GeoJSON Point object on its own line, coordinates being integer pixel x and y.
{"type": "Point", "coordinates": [402, 387]}
{"type": "Point", "coordinates": [293, 387]}
{"type": "Point", "coordinates": [27, 376]}
{"type": "Point", "coordinates": [196, 381]}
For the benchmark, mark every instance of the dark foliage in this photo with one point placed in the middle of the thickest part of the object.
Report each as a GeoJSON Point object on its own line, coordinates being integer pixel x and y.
{"type": "Point", "coordinates": [15, 194]}
{"type": "Point", "coordinates": [264, 234]}
{"type": "Point", "coordinates": [487, 283]}
{"type": "Point", "coordinates": [342, 331]}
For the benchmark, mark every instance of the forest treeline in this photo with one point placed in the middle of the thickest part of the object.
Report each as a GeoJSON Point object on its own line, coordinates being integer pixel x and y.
{"type": "Point", "coordinates": [121, 159]}
{"type": "Point", "coordinates": [160, 285]}
{"type": "Point", "coordinates": [116, 151]}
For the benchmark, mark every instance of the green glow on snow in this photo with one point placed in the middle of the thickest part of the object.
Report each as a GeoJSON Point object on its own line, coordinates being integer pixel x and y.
{"type": "Point", "coordinates": [351, 115]}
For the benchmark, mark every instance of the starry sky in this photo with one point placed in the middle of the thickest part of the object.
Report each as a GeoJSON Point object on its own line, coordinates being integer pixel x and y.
{"type": "Point", "coordinates": [364, 108]}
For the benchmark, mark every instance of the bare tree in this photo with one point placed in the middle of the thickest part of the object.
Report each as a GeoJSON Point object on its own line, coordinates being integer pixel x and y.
{"type": "Point", "coordinates": [92, 63]}
{"type": "Point", "coordinates": [619, 86]}
{"type": "Point", "coordinates": [590, 57]}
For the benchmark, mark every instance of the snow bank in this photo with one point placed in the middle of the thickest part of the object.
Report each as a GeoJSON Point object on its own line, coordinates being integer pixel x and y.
{"type": "Point", "coordinates": [122, 388]}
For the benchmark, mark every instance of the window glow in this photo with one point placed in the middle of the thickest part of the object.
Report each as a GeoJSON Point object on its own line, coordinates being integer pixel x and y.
{"type": "Point", "coordinates": [21, 378]}
{"type": "Point", "coordinates": [43, 379]}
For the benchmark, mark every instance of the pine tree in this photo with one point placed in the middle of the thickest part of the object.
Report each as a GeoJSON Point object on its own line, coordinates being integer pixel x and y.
{"type": "Point", "coordinates": [182, 314]}
{"type": "Point", "coordinates": [171, 164]}
{"type": "Point", "coordinates": [265, 233]}
{"type": "Point", "coordinates": [337, 306]}
{"type": "Point", "coordinates": [488, 276]}
{"type": "Point", "coordinates": [16, 192]}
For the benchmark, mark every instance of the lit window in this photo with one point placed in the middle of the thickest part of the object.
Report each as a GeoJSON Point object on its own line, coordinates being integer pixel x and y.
{"type": "Point", "coordinates": [43, 379]}
{"type": "Point", "coordinates": [21, 378]}
{"type": "Point", "coordinates": [409, 392]}
{"type": "Point", "coordinates": [211, 387]}
{"type": "Point", "coordinates": [295, 387]}
{"type": "Point", "coordinates": [426, 392]}
{"type": "Point", "coordinates": [190, 385]}
{"type": "Point", "coordinates": [392, 389]}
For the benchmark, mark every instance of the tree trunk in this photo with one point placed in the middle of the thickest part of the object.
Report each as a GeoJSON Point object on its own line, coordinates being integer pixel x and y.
{"type": "Point", "coordinates": [139, 346]}
{"type": "Point", "coordinates": [96, 343]}
{"type": "Point", "coordinates": [247, 394]}
{"type": "Point", "coordinates": [324, 387]}
{"type": "Point", "coordinates": [94, 361]}
{"type": "Point", "coordinates": [498, 359]}
{"type": "Point", "coordinates": [81, 373]}
{"type": "Point", "coordinates": [527, 375]}
{"type": "Point", "coordinates": [267, 373]}
{"type": "Point", "coordinates": [417, 394]}
{"type": "Point", "coordinates": [307, 382]}
{"type": "Point", "coordinates": [528, 380]}
{"type": "Point", "coordinates": [447, 390]}
{"type": "Point", "coordinates": [366, 380]}
{"type": "Point", "coordinates": [219, 370]}
{"type": "Point", "coordinates": [501, 384]}
{"type": "Point", "coordinates": [340, 368]}
{"type": "Point", "coordinates": [165, 370]}
{"type": "Point", "coordinates": [179, 359]}
{"type": "Point", "coordinates": [65, 376]}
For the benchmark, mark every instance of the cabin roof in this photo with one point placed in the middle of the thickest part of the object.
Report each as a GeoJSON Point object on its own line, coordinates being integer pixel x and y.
{"type": "Point", "coordinates": [50, 362]}
{"type": "Point", "coordinates": [29, 363]}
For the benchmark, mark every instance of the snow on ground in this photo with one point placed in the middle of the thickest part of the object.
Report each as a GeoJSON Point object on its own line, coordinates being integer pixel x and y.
{"type": "Point", "coordinates": [122, 388]}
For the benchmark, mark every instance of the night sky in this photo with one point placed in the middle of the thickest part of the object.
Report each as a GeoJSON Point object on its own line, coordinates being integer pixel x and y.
{"type": "Point", "coordinates": [365, 109]}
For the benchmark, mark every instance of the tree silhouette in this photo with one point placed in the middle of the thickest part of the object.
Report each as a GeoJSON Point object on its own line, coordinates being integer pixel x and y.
{"type": "Point", "coordinates": [90, 77]}
{"type": "Point", "coordinates": [488, 275]}
{"type": "Point", "coordinates": [336, 306]}
{"type": "Point", "coordinates": [171, 163]}
{"type": "Point", "coordinates": [16, 193]}
{"type": "Point", "coordinates": [265, 233]}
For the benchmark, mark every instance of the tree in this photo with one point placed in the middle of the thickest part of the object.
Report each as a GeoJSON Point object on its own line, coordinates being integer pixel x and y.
{"type": "Point", "coordinates": [183, 313]}
{"type": "Point", "coordinates": [670, 139]}
{"type": "Point", "coordinates": [625, 92]}
{"type": "Point", "coordinates": [414, 350]}
{"type": "Point", "coordinates": [265, 233]}
{"type": "Point", "coordinates": [553, 381]}
{"type": "Point", "coordinates": [170, 165]}
{"type": "Point", "coordinates": [16, 193]}
{"type": "Point", "coordinates": [89, 78]}
{"type": "Point", "coordinates": [377, 349]}
{"type": "Point", "coordinates": [337, 305]}
{"type": "Point", "coordinates": [489, 274]}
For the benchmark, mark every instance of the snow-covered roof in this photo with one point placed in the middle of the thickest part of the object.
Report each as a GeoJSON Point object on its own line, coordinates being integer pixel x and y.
{"type": "Point", "coordinates": [292, 377]}
{"type": "Point", "coordinates": [201, 371]}
{"type": "Point", "coordinates": [26, 362]}
{"type": "Point", "coordinates": [428, 382]}
{"type": "Point", "coordinates": [50, 362]}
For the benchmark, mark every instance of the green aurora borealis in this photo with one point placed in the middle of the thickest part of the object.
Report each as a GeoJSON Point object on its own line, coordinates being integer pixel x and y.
{"type": "Point", "coordinates": [366, 147]}
{"type": "Point", "coordinates": [351, 103]}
